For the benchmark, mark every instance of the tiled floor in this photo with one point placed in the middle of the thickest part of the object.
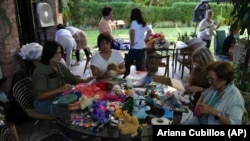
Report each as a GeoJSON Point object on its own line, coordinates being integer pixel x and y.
{"type": "Point", "coordinates": [31, 130]}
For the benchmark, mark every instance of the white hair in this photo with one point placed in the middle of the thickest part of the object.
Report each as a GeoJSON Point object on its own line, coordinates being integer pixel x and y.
{"type": "Point", "coordinates": [208, 11]}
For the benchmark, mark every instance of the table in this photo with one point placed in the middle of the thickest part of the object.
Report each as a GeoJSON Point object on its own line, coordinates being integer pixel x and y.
{"type": "Point", "coordinates": [108, 131]}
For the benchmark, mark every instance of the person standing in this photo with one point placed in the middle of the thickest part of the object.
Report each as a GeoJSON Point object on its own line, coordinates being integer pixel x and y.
{"type": "Point", "coordinates": [207, 28]}
{"type": "Point", "coordinates": [139, 32]}
{"type": "Point", "coordinates": [81, 42]}
{"type": "Point", "coordinates": [64, 37]}
{"type": "Point", "coordinates": [105, 26]}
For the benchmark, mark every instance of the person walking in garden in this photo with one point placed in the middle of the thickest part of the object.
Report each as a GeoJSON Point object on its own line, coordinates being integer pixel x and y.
{"type": "Point", "coordinates": [207, 28]}
{"type": "Point", "coordinates": [81, 41]}
{"type": "Point", "coordinates": [139, 32]}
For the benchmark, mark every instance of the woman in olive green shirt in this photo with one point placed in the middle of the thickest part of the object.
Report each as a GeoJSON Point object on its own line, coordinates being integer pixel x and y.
{"type": "Point", "coordinates": [51, 78]}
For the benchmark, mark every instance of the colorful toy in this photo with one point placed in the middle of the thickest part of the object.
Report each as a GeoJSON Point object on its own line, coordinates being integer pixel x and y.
{"type": "Point", "coordinates": [112, 106]}
{"type": "Point", "coordinates": [99, 111]}
{"type": "Point", "coordinates": [140, 107]}
{"type": "Point", "coordinates": [87, 102]}
{"type": "Point", "coordinates": [129, 124]}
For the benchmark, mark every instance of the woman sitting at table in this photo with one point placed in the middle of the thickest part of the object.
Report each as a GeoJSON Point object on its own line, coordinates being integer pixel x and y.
{"type": "Point", "coordinates": [197, 82]}
{"type": "Point", "coordinates": [106, 59]}
{"type": "Point", "coordinates": [222, 102]}
{"type": "Point", "coordinates": [51, 78]}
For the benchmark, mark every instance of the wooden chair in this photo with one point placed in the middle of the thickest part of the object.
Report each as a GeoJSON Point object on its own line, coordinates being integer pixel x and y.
{"type": "Point", "coordinates": [88, 60]}
{"type": "Point", "coordinates": [183, 56]}
{"type": "Point", "coordinates": [157, 60]}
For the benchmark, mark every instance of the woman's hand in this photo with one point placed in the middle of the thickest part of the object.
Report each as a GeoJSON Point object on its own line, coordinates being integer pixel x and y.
{"type": "Point", "coordinates": [187, 87]}
{"type": "Point", "coordinates": [206, 109]}
{"type": "Point", "coordinates": [89, 79]}
{"type": "Point", "coordinates": [66, 87]}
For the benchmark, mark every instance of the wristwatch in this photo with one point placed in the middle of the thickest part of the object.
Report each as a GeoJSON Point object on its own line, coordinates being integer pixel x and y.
{"type": "Point", "coordinates": [217, 117]}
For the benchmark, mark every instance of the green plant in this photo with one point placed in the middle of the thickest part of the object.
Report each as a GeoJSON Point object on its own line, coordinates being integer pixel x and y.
{"type": "Point", "coordinates": [240, 17]}
{"type": "Point", "coordinates": [242, 71]}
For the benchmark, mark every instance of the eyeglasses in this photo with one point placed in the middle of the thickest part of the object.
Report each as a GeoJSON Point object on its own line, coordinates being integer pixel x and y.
{"type": "Point", "coordinates": [212, 80]}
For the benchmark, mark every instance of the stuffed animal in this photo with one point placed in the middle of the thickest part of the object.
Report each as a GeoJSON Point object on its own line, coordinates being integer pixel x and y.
{"type": "Point", "coordinates": [115, 94]}
{"type": "Point", "coordinates": [112, 66]}
{"type": "Point", "coordinates": [112, 106]}
{"type": "Point", "coordinates": [140, 107]}
{"type": "Point", "coordinates": [99, 111]}
{"type": "Point", "coordinates": [87, 102]}
{"type": "Point", "coordinates": [129, 124]}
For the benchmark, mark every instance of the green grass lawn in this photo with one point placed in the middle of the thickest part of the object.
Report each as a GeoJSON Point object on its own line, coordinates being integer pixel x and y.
{"type": "Point", "coordinates": [171, 34]}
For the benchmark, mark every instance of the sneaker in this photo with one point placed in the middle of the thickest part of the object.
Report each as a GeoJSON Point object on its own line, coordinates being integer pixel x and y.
{"type": "Point", "coordinates": [76, 64]}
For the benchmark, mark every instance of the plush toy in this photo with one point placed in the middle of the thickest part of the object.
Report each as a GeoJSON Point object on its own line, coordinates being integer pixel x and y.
{"type": "Point", "coordinates": [115, 94]}
{"type": "Point", "coordinates": [161, 43]}
{"type": "Point", "coordinates": [87, 102]}
{"type": "Point", "coordinates": [99, 111]}
{"type": "Point", "coordinates": [140, 107]}
{"type": "Point", "coordinates": [129, 124]}
{"type": "Point", "coordinates": [112, 66]}
{"type": "Point", "coordinates": [112, 106]}
{"type": "Point", "coordinates": [128, 104]}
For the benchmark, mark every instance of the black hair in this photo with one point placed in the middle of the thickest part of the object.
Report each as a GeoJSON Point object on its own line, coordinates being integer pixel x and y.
{"type": "Point", "coordinates": [106, 11]}
{"type": "Point", "coordinates": [49, 49]}
{"type": "Point", "coordinates": [60, 26]}
{"type": "Point", "coordinates": [101, 38]}
{"type": "Point", "coordinates": [137, 15]}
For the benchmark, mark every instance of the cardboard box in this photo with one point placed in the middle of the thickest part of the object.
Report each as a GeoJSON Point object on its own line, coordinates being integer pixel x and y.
{"type": "Point", "coordinates": [170, 82]}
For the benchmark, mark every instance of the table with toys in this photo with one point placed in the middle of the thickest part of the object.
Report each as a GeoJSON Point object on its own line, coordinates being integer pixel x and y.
{"type": "Point", "coordinates": [122, 109]}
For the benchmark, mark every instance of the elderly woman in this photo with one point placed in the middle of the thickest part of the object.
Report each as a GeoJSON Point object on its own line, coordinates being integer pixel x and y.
{"type": "Point", "coordinates": [198, 82]}
{"type": "Point", "coordinates": [106, 59]}
{"type": "Point", "coordinates": [222, 102]}
{"type": "Point", "coordinates": [207, 27]}
{"type": "Point", "coordinates": [51, 78]}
